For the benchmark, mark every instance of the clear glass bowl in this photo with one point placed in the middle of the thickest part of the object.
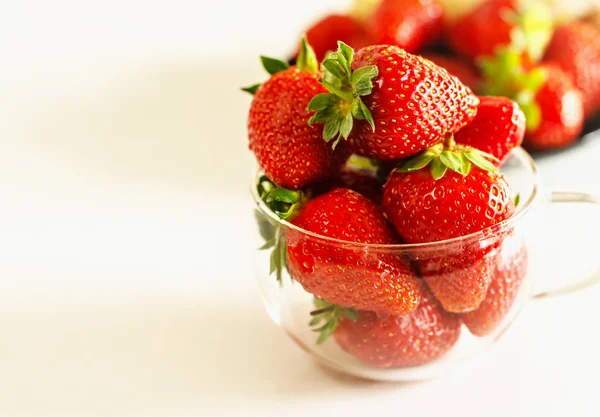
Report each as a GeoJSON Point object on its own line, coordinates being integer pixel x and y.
{"type": "Point", "coordinates": [449, 342]}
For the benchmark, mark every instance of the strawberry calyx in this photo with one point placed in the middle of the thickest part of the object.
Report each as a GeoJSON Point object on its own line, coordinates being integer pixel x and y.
{"type": "Point", "coordinates": [338, 108]}
{"type": "Point", "coordinates": [286, 204]}
{"type": "Point", "coordinates": [505, 74]}
{"type": "Point", "coordinates": [533, 28]}
{"type": "Point", "coordinates": [307, 62]}
{"type": "Point", "coordinates": [449, 155]}
{"type": "Point", "coordinates": [327, 317]}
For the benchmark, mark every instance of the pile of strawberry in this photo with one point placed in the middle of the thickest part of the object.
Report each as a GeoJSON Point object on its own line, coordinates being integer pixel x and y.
{"type": "Point", "coordinates": [436, 146]}
{"type": "Point", "coordinates": [500, 48]}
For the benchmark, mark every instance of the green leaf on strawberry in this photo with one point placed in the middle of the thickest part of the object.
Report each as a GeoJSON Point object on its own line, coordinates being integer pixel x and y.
{"type": "Point", "coordinates": [329, 314]}
{"type": "Point", "coordinates": [285, 203]}
{"type": "Point", "coordinates": [307, 61]}
{"type": "Point", "coordinates": [533, 28]}
{"type": "Point", "coordinates": [343, 104]}
{"type": "Point", "coordinates": [448, 155]}
{"type": "Point", "coordinates": [505, 75]}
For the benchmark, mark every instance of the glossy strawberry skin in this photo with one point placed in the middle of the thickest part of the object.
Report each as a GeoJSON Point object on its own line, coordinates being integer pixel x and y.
{"type": "Point", "coordinates": [351, 277]}
{"type": "Point", "coordinates": [400, 341]}
{"type": "Point", "coordinates": [561, 108]}
{"type": "Point", "coordinates": [409, 24]}
{"type": "Point", "coordinates": [291, 153]}
{"type": "Point", "coordinates": [426, 210]}
{"type": "Point", "coordinates": [325, 34]}
{"type": "Point", "coordinates": [414, 104]}
{"type": "Point", "coordinates": [508, 272]}
{"type": "Point", "coordinates": [575, 48]}
{"type": "Point", "coordinates": [461, 70]}
{"type": "Point", "coordinates": [498, 127]}
{"type": "Point", "coordinates": [479, 32]}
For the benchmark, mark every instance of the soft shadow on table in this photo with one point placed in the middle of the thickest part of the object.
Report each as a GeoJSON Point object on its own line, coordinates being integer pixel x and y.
{"type": "Point", "coordinates": [152, 358]}
{"type": "Point", "coordinates": [180, 124]}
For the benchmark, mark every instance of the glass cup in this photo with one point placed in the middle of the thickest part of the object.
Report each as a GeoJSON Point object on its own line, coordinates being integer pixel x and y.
{"type": "Point", "coordinates": [505, 257]}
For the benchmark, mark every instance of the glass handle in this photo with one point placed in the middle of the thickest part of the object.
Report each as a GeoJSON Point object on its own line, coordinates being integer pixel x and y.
{"type": "Point", "coordinates": [572, 197]}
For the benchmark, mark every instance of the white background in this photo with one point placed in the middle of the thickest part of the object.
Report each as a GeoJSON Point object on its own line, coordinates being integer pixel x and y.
{"type": "Point", "coordinates": [125, 279]}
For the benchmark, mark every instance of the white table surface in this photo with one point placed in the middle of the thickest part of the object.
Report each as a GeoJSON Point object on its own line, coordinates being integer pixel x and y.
{"type": "Point", "coordinates": [126, 287]}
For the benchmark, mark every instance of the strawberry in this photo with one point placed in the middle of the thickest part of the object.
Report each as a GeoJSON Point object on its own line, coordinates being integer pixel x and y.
{"type": "Point", "coordinates": [496, 23]}
{"type": "Point", "coordinates": [324, 34]}
{"type": "Point", "coordinates": [552, 106]}
{"type": "Point", "coordinates": [508, 273]}
{"type": "Point", "coordinates": [450, 199]}
{"type": "Point", "coordinates": [399, 341]}
{"type": "Point", "coordinates": [498, 127]}
{"type": "Point", "coordinates": [461, 70]}
{"type": "Point", "coordinates": [291, 153]}
{"type": "Point", "coordinates": [480, 31]}
{"type": "Point", "coordinates": [575, 48]}
{"type": "Point", "coordinates": [410, 24]}
{"type": "Point", "coordinates": [558, 118]}
{"type": "Point", "coordinates": [402, 103]}
{"type": "Point", "coordinates": [350, 276]}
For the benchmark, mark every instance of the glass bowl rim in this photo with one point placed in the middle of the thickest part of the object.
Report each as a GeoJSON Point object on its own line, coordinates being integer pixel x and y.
{"type": "Point", "coordinates": [519, 152]}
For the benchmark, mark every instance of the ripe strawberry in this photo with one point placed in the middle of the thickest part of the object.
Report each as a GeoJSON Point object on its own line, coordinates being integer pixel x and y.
{"type": "Point", "coordinates": [508, 273]}
{"type": "Point", "coordinates": [498, 127]}
{"type": "Point", "coordinates": [496, 23]}
{"type": "Point", "coordinates": [408, 103]}
{"type": "Point", "coordinates": [575, 48]}
{"type": "Point", "coordinates": [325, 34]}
{"type": "Point", "coordinates": [449, 200]}
{"type": "Point", "coordinates": [291, 153]}
{"type": "Point", "coordinates": [400, 341]}
{"type": "Point", "coordinates": [480, 31]}
{"type": "Point", "coordinates": [558, 118]}
{"type": "Point", "coordinates": [350, 276]}
{"type": "Point", "coordinates": [409, 24]}
{"type": "Point", "coordinates": [461, 70]}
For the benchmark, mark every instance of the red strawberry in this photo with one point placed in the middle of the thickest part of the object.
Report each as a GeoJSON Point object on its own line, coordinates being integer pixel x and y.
{"type": "Point", "coordinates": [410, 24]}
{"type": "Point", "coordinates": [480, 31]}
{"type": "Point", "coordinates": [508, 273]}
{"type": "Point", "coordinates": [325, 34]}
{"type": "Point", "coordinates": [400, 341]}
{"type": "Point", "coordinates": [461, 70]}
{"type": "Point", "coordinates": [498, 127]}
{"type": "Point", "coordinates": [362, 182]}
{"type": "Point", "coordinates": [559, 118]}
{"type": "Point", "coordinates": [352, 277]}
{"type": "Point", "coordinates": [408, 103]}
{"type": "Point", "coordinates": [500, 23]}
{"type": "Point", "coordinates": [448, 200]}
{"type": "Point", "coordinates": [291, 153]}
{"type": "Point", "coordinates": [575, 48]}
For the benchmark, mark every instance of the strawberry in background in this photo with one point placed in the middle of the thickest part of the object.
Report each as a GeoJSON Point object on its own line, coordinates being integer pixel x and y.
{"type": "Point", "coordinates": [455, 66]}
{"type": "Point", "coordinates": [558, 120]}
{"type": "Point", "coordinates": [409, 24]}
{"type": "Point", "coordinates": [575, 48]}
{"type": "Point", "coordinates": [324, 35]}
{"type": "Point", "coordinates": [552, 105]}
{"type": "Point", "coordinates": [497, 23]}
{"type": "Point", "coordinates": [479, 32]}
